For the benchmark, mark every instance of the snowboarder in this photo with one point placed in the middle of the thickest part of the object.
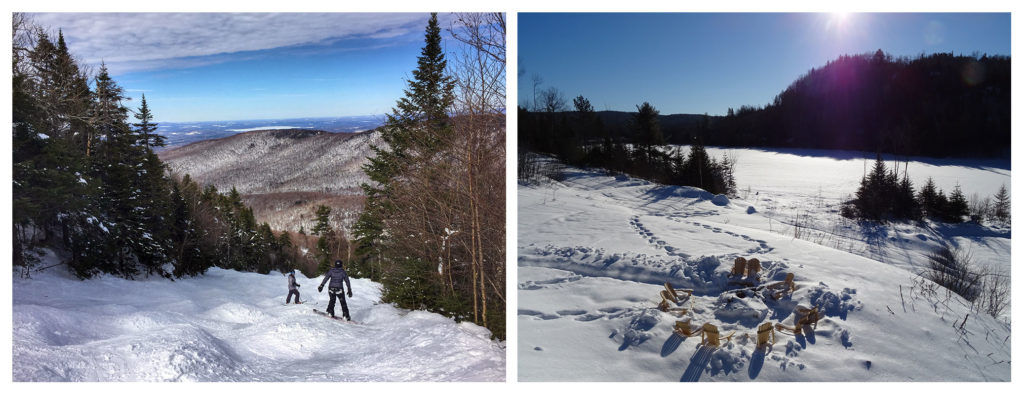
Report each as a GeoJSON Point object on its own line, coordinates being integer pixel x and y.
{"type": "Point", "coordinates": [293, 288]}
{"type": "Point", "coordinates": [337, 275]}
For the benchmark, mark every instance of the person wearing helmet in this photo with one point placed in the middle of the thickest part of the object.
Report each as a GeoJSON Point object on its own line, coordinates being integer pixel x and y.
{"type": "Point", "coordinates": [293, 288]}
{"type": "Point", "coordinates": [337, 275]}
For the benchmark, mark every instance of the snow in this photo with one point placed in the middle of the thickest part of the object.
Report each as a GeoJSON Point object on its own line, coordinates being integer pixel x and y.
{"type": "Point", "coordinates": [232, 326]}
{"type": "Point", "coordinates": [595, 250]}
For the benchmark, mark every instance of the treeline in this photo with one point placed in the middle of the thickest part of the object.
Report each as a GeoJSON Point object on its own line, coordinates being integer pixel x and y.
{"type": "Point", "coordinates": [432, 230]}
{"type": "Point", "coordinates": [580, 138]}
{"type": "Point", "coordinates": [884, 194]}
{"type": "Point", "coordinates": [936, 105]}
{"type": "Point", "coordinates": [88, 184]}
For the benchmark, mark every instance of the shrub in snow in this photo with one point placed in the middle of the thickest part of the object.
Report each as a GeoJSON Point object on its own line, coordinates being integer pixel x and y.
{"type": "Point", "coordinates": [953, 269]}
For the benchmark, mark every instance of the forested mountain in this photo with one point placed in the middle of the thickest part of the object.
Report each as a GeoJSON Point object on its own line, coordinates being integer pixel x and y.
{"type": "Point", "coordinates": [284, 175]}
{"type": "Point", "coordinates": [936, 105]}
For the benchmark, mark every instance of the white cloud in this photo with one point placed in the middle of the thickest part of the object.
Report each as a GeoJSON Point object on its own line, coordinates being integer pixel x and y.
{"type": "Point", "coordinates": [133, 41]}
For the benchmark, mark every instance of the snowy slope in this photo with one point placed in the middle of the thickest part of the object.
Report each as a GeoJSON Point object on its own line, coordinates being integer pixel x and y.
{"type": "Point", "coordinates": [232, 326]}
{"type": "Point", "coordinates": [594, 251]}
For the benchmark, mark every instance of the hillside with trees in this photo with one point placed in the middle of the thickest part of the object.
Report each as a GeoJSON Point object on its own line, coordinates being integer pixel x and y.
{"type": "Point", "coordinates": [940, 105]}
{"type": "Point", "coordinates": [432, 231]}
{"type": "Point", "coordinates": [935, 105]}
{"type": "Point", "coordinates": [89, 186]}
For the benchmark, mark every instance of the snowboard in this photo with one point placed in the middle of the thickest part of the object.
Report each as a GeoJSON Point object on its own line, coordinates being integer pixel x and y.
{"type": "Point", "coordinates": [338, 318]}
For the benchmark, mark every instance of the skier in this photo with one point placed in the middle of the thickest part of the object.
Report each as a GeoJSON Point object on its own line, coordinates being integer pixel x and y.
{"type": "Point", "coordinates": [293, 288]}
{"type": "Point", "coordinates": [337, 275]}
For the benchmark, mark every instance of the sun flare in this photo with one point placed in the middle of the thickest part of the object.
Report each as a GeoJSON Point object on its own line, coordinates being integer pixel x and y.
{"type": "Point", "coordinates": [838, 22]}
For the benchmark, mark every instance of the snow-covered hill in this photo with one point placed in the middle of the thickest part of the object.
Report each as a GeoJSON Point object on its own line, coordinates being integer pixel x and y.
{"type": "Point", "coordinates": [283, 174]}
{"type": "Point", "coordinates": [269, 161]}
{"type": "Point", "coordinates": [594, 251]}
{"type": "Point", "coordinates": [232, 326]}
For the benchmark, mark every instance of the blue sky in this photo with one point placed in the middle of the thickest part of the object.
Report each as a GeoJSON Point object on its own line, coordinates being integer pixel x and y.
{"type": "Point", "coordinates": [236, 66]}
{"type": "Point", "coordinates": [705, 63]}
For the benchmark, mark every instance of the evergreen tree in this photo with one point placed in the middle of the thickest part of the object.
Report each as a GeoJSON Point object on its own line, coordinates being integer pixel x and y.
{"type": "Point", "coordinates": [582, 105]}
{"type": "Point", "coordinates": [1001, 207]}
{"type": "Point", "coordinates": [647, 128]}
{"type": "Point", "coordinates": [146, 128]}
{"type": "Point", "coordinates": [904, 204]}
{"type": "Point", "coordinates": [413, 131]}
{"type": "Point", "coordinates": [929, 199]}
{"type": "Point", "coordinates": [957, 207]}
{"type": "Point", "coordinates": [322, 225]}
{"type": "Point", "coordinates": [285, 246]}
{"type": "Point", "coordinates": [323, 229]}
{"type": "Point", "coordinates": [117, 162]}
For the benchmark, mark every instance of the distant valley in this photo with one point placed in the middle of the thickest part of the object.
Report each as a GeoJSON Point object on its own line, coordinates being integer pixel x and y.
{"type": "Point", "coordinates": [283, 174]}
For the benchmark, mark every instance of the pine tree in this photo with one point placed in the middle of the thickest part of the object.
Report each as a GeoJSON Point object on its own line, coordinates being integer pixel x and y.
{"type": "Point", "coordinates": [146, 128]}
{"type": "Point", "coordinates": [115, 165]}
{"type": "Point", "coordinates": [1001, 207]}
{"type": "Point", "coordinates": [957, 207]}
{"type": "Point", "coordinates": [322, 225]}
{"type": "Point", "coordinates": [929, 199]}
{"type": "Point", "coordinates": [647, 128]}
{"type": "Point", "coordinates": [415, 133]}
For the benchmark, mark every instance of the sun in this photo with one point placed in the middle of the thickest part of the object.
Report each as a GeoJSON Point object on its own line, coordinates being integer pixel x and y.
{"type": "Point", "coordinates": [839, 21]}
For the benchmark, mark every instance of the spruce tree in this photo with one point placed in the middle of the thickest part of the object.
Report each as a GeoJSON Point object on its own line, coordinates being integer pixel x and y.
{"type": "Point", "coordinates": [322, 225]}
{"type": "Point", "coordinates": [957, 208]}
{"type": "Point", "coordinates": [647, 128]}
{"type": "Point", "coordinates": [1001, 207]}
{"type": "Point", "coordinates": [417, 129]}
{"type": "Point", "coordinates": [146, 128]}
{"type": "Point", "coordinates": [929, 199]}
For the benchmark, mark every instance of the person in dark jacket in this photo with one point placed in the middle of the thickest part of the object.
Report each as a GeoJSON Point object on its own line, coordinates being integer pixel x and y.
{"type": "Point", "coordinates": [337, 276]}
{"type": "Point", "coordinates": [293, 288]}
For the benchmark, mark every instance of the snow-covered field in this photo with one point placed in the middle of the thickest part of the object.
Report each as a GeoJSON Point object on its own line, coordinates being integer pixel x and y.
{"type": "Point", "coordinates": [233, 326]}
{"type": "Point", "coordinates": [594, 251]}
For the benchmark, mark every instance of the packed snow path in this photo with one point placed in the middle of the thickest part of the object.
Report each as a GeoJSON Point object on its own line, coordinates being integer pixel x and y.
{"type": "Point", "coordinates": [232, 326]}
{"type": "Point", "coordinates": [594, 251]}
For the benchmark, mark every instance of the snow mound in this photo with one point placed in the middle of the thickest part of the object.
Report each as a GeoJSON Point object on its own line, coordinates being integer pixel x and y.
{"type": "Point", "coordinates": [208, 328]}
{"type": "Point", "coordinates": [720, 200]}
{"type": "Point", "coordinates": [236, 313]}
{"type": "Point", "coordinates": [834, 304]}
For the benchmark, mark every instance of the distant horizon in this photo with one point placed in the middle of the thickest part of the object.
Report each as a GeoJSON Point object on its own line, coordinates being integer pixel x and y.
{"type": "Point", "coordinates": [706, 63]}
{"type": "Point", "coordinates": [200, 67]}
{"type": "Point", "coordinates": [274, 119]}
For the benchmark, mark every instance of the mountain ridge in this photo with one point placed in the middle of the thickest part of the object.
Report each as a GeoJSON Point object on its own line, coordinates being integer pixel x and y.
{"type": "Point", "coordinates": [283, 173]}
